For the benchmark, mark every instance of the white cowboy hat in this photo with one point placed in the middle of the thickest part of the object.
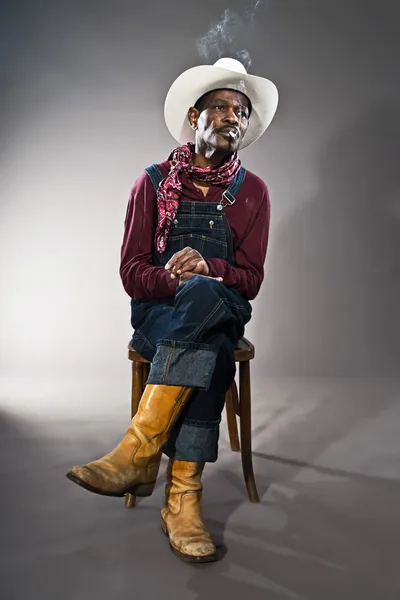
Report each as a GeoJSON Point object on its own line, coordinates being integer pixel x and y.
{"type": "Point", "coordinates": [225, 73]}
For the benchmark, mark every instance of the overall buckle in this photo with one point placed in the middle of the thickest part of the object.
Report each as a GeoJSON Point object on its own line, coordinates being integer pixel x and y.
{"type": "Point", "coordinates": [229, 200]}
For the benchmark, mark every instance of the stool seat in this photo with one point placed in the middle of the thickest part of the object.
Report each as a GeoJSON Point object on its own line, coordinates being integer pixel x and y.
{"type": "Point", "coordinates": [237, 404]}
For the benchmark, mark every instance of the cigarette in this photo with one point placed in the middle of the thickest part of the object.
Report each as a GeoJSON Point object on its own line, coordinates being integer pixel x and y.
{"type": "Point", "coordinates": [232, 134]}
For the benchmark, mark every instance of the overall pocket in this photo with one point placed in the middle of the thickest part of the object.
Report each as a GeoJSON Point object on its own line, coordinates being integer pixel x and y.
{"type": "Point", "coordinates": [205, 233]}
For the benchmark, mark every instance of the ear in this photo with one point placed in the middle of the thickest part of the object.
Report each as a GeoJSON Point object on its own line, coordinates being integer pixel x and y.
{"type": "Point", "coordinates": [193, 115]}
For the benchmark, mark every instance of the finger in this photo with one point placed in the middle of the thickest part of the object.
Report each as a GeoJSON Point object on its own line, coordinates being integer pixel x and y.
{"type": "Point", "coordinates": [176, 257]}
{"type": "Point", "coordinates": [209, 277]}
{"type": "Point", "coordinates": [184, 271]}
{"type": "Point", "coordinates": [180, 260]}
{"type": "Point", "coordinates": [198, 268]}
{"type": "Point", "coordinates": [186, 262]}
{"type": "Point", "coordinates": [189, 265]}
{"type": "Point", "coordinates": [188, 275]}
{"type": "Point", "coordinates": [202, 268]}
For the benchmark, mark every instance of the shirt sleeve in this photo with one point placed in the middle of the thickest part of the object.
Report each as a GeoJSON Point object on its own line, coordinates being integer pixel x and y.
{"type": "Point", "coordinates": [140, 278]}
{"type": "Point", "coordinates": [250, 255]}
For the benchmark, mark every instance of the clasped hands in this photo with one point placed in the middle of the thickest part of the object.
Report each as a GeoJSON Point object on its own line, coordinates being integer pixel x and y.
{"type": "Point", "coordinates": [186, 264]}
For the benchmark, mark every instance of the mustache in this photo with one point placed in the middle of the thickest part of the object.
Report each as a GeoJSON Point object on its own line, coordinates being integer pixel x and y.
{"type": "Point", "coordinates": [227, 128]}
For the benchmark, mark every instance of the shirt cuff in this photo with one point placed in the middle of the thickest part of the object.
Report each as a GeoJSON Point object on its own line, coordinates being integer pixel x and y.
{"type": "Point", "coordinates": [221, 268]}
{"type": "Point", "coordinates": [166, 286]}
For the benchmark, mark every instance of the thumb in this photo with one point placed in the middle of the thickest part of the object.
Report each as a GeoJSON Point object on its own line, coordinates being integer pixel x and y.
{"type": "Point", "coordinates": [200, 266]}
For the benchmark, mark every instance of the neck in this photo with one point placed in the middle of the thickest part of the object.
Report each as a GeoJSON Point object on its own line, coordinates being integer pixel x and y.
{"type": "Point", "coordinates": [207, 157]}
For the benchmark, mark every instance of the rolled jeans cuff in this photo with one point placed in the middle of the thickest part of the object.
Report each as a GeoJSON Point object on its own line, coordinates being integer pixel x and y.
{"type": "Point", "coordinates": [194, 441]}
{"type": "Point", "coordinates": [189, 364]}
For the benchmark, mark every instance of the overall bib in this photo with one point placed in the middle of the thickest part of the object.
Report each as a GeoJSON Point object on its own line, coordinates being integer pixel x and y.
{"type": "Point", "coordinates": [190, 339]}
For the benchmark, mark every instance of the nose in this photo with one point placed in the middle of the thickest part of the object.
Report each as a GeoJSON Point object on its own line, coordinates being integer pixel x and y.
{"type": "Point", "coordinates": [231, 117]}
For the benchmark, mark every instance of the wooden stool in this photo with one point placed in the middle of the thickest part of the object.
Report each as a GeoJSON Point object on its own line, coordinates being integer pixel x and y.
{"type": "Point", "coordinates": [236, 404]}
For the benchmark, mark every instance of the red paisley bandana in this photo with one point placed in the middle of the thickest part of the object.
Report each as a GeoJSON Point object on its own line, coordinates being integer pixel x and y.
{"type": "Point", "coordinates": [170, 188]}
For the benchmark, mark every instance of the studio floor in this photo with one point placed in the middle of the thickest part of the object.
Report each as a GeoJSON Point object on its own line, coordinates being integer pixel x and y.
{"type": "Point", "coordinates": [327, 464]}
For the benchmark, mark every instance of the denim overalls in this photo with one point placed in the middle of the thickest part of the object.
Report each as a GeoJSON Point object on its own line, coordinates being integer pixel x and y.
{"type": "Point", "coordinates": [190, 338]}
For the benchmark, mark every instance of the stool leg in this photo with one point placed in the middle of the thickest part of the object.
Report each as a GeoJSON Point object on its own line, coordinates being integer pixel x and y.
{"type": "Point", "coordinates": [245, 430]}
{"type": "Point", "coordinates": [137, 386]}
{"type": "Point", "coordinates": [232, 424]}
{"type": "Point", "coordinates": [137, 391]}
{"type": "Point", "coordinates": [235, 398]}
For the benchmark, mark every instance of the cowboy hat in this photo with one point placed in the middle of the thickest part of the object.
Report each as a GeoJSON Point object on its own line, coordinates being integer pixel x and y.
{"type": "Point", "coordinates": [225, 73]}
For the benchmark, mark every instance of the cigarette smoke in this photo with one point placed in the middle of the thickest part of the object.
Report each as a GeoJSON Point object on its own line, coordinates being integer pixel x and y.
{"type": "Point", "coordinates": [224, 36]}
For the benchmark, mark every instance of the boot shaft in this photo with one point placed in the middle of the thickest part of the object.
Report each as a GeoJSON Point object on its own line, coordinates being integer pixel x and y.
{"type": "Point", "coordinates": [159, 408]}
{"type": "Point", "coordinates": [183, 479]}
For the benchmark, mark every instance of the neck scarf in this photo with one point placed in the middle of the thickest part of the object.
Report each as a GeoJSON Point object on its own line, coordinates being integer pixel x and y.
{"type": "Point", "coordinates": [170, 189]}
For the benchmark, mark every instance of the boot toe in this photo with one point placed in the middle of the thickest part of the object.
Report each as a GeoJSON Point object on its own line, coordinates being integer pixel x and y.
{"type": "Point", "coordinates": [84, 474]}
{"type": "Point", "coordinates": [198, 548]}
{"type": "Point", "coordinates": [91, 478]}
{"type": "Point", "coordinates": [77, 470]}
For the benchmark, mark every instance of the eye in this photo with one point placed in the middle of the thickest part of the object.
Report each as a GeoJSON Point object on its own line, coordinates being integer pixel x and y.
{"type": "Point", "coordinates": [220, 106]}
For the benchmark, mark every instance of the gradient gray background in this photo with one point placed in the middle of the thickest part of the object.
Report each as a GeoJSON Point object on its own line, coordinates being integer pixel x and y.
{"type": "Point", "coordinates": [83, 86]}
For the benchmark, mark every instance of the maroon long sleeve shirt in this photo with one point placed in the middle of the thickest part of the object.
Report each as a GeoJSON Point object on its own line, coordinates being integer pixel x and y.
{"type": "Point", "coordinates": [248, 218]}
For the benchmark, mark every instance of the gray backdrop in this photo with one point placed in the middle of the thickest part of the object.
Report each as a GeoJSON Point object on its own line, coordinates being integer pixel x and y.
{"type": "Point", "coordinates": [82, 87]}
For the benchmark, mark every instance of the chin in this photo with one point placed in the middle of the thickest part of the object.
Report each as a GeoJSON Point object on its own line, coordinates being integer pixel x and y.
{"type": "Point", "coordinates": [223, 145]}
{"type": "Point", "coordinates": [228, 146]}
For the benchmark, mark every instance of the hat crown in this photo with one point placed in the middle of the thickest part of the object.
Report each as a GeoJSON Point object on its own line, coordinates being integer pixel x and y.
{"type": "Point", "coordinates": [231, 64]}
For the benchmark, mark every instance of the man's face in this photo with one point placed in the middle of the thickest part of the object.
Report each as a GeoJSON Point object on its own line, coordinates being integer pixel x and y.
{"type": "Point", "coordinates": [221, 111]}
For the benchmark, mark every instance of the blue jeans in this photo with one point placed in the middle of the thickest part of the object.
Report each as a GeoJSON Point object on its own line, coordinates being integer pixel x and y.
{"type": "Point", "coordinates": [190, 340]}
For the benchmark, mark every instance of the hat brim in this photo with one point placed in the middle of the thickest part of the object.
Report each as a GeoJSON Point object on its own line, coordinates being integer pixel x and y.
{"type": "Point", "coordinates": [196, 81]}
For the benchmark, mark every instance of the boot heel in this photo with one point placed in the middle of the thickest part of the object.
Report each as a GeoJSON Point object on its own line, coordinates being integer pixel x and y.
{"type": "Point", "coordinates": [142, 490]}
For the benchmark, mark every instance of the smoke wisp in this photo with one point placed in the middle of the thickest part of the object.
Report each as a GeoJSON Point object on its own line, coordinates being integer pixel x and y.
{"type": "Point", "coordinates": [227, 34]}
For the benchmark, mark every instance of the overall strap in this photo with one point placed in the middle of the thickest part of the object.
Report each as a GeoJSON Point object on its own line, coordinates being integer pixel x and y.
{"type": "Point", "coordinates": [155, 175]}
{"type": "Point", "coordinates": [230, 193]}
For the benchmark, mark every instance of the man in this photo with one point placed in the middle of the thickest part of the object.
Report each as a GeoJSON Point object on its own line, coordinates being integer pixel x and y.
{"type": "Point", "coordinates": [196, 234]}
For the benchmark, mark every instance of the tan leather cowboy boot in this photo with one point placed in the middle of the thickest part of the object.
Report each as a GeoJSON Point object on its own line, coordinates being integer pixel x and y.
{"type": "Point", "coordinates": [181, 514]}
{"type": "Point", "coordinates": [133, 465]}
